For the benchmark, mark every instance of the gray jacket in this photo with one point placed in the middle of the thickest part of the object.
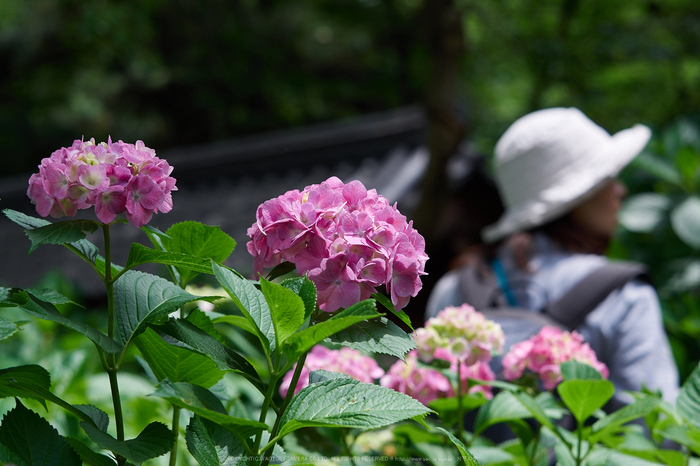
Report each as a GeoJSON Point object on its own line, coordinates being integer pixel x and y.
{"type": "Point", "coordinates": [625, 330]}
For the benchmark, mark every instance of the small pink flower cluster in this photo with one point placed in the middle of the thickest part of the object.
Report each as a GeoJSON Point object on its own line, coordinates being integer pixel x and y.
{"type": "Point", "coordinates": [349, 240]}
{"type": "Point", "coordinates": [345, 360]}
{"type": "Point", "coordinates": [115, 177]}
{"type": "Point", "coordinates": [426, 384]}
{"type": "Point", "coordinates": [459, 334]}
{"type": "Point", "coordinates": [545, 352]}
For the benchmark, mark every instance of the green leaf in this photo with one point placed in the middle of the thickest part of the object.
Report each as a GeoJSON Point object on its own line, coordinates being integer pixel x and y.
{"type": "Point", "coordinates": [141, 298]}
{"type": "Point", "coordinates": [685, 219]}
{"type": "Point", "coordinates": [505, 406]}
{"type": "Point", "coordinates": [251, 303]}
{"type": "Point", "coordinates": [239, 321]}
{"type": "Point", "coordinates": [683, 435]}
{"type": "Point", "coordinates": [212, 445]}
{"type": "Point", "coordinates": [644, 212]}
{"type": "Point", "coordinates": [28, 436]}
{"type": "Point", "coordinates": [204, 403]}
{"type": "Point", "coordinates": [7, 328]}
{"type": "Point", "coordinates": [88, 456]}
{"type": "Point", "coordinates": [688, 400]}
{"type": "Point", "coordinates": [658, 167]}
{"type": "Point", "coordinates": [201, 320]}
{"type": "Point", "coordinates": [65, 232]}
{"type": "Point", "coordinates": [306, 290]}
{"type": "Point", "coordinates": [345, 402]}
{"type": "Point", "coordinates": [613, 421]}
{"type": "Point", "coordinates": [281, 269]}
{"type": "Point", "coordinates": [536, 411]}
{"type": "Point", "coordinates": [32, 381]}
{"type": "Point", "coordinates": [175, 363]}
{"type": "Point", "coordinates": [186, 264]}
{"type": "Point", "coordinates": [286, 309]}
{"type": "Point", "coordinates": [47, 311]}
{"type": "Point", "coordinates": [306, 339]}
{"type": "Point", "coordinates": [186, 335]}
{"type": "Point", "coordinates": [386, 302]}
{"type": "Point", "coordinates": [571, 370]}
{"type": "Point", "coordinates": [155, 440]}
{"type": "Point", "coordinates": [584, 397]}
{"type": "Point", "coordinates": [376, 336]}
{"type": "Point", "coordinates": [467, 457]}
{"type": "Point", "coordinates": [98, 416]}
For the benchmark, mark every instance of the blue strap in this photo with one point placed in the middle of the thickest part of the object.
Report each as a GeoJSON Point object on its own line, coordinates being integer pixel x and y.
{"type": "Point", "coordinates": [503, 282]}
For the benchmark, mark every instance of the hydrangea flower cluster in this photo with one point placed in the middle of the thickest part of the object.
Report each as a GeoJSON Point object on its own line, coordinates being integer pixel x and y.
{"type": "Point", "coordinates": [349, 240]}
{"type": "Point", "coordinates": [459, 334]}
{"type": "Point", "coordinates": [345, 360]}
{"type": "Point", "coordinates": [544, 354]}
{"type": "Point", "coordinates": [114, 177]}
{"type": "Point", "coordinates": [426, 384]}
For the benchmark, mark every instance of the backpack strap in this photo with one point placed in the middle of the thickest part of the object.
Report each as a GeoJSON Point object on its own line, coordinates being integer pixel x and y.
{"type": "Point", "coordinates": [572, 308]}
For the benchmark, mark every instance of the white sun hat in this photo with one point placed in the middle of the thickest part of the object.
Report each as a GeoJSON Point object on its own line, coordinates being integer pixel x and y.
{"type": "Point", "coordinates": [550, 160]}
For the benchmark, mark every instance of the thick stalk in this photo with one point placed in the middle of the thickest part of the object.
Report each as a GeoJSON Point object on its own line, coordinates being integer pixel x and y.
{"type": "Point", "coordinates": [285, 403]}
{"type": "Point", "coordinates": [460, 408]}
{"type": "Point", "coordinates": [111, 358]}
{"type": "Point", "coordinates": [176, 431]}
{"type": "Point", "coordinates": [580, 441]}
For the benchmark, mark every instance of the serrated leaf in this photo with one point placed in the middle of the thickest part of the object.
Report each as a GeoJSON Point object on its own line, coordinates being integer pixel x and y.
{"type": "Point", "coordinates": [251, 303]}
{"type": "Point", "coordinates": [584, 397]}
{"type": "Point", "coordinates": [98, 416]}
{"type": "Point", "coordinates": [7, 328]}
{"type": "Point", "coordinates": [239, 321]}
{"type": "Point", "coordinates": [84, 248]}
{"type": "Point", "coordinates": [345, 402]}
{"type": "Point", "coordinates": [688, 400]}
{"type": "Point", "coordinates": [204, 403]}
{"type": "Point", "coordinates": [183, 333]}
{"type": "Point", "coordinates": [32, 381]}
{"type": "Point", "coordinates": [630, 412]}
{"type": "Point", "coordinates": [685, 219]}
{"type": "Point", "coordinates": [201, 320]}
{"type": "Point", "coordinates": [320, 375]}
{"type": "Point", "coordinates": [153, 441]}
{"type": "Point", "coordinates": [467, 457]}
{"type": "Point", "coordinates": [286, 309]}
{"type": "Point", "coordinates": [212, 445]}
{"type": "Point", "coordinates": [376, 336]}
{"type": "Point", "coordinates": [306, 290]}
{"type": "Point", "coordinates": [34, 440]}
{"type": "Point", "coordinates": [306, 339]}
{"type": "Point", "coordinates": [386, 302]}
{"type": "Point", "coordinates": [175, 363]}
{"type": "Point", "coordinates": [88, 456]}
{"type": "Point", "coordinates": [578, 370]}
{"type": "Point", "coordinates": [48, 311]}
{"type": "Point", "coordinates": [140, 254]}
{"type": "Point", "coordinates": [197, 239]}
{"type": "Point", "coordinates": [65, 232]}
{"type": "Point", "coordinates": [141, 298]}
{"type": "Point", "coordinates": [505, 406]}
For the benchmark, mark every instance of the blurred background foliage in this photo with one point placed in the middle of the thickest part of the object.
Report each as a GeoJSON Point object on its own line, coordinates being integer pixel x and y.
{"type": "Point", "coordinates": [182, 72]}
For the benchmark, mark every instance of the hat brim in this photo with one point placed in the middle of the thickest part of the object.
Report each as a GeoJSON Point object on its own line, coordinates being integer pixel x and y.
{"type": "Point", "coordinates": [556, 201]}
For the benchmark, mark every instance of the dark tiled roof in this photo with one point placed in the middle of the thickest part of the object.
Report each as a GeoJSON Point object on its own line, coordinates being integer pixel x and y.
{"type": "Point", "coordinates": [223, 183]}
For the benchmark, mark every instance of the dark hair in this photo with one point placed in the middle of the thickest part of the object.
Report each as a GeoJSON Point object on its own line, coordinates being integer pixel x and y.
{"type": "Point", "coordinates": [564, 231]}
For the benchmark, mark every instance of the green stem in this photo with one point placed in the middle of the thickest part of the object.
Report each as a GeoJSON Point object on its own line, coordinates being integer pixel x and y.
{"type": "Point", "coordinates": [580, 441]}
{"type": "Point", "coordinates": [176, 431]}
{"type": "Point", "coordinates": [112, 365]}
{"type": "Point", "coordinates": [460, 408]}
{"type": "Point", "coordinates": [285, 404]}
{"type": "Point", "coordinates": [346, 447]}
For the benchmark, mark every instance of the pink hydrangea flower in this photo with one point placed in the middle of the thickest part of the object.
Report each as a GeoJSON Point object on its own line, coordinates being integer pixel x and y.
{"type": "Point", "coordinates": [459, 334]}
{"type": "Point", "coordinates": [114, 177]}
{"type": "Point", "coordinates": [426, 384]}
{"type": "Point", "coordinates": [348, 239]}
{"type": "Point", "coordinates": [544, 354]}
{"type": "Point", "coordinates": [345, 360]}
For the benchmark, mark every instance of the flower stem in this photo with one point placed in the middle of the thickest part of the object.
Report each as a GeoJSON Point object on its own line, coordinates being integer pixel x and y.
{"type": "Point", "coordinates": [460, 408]}
{"type": "Point", "coordinates": [176, 431]}
{"type": "Point", "coordinates": [112, 365]}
